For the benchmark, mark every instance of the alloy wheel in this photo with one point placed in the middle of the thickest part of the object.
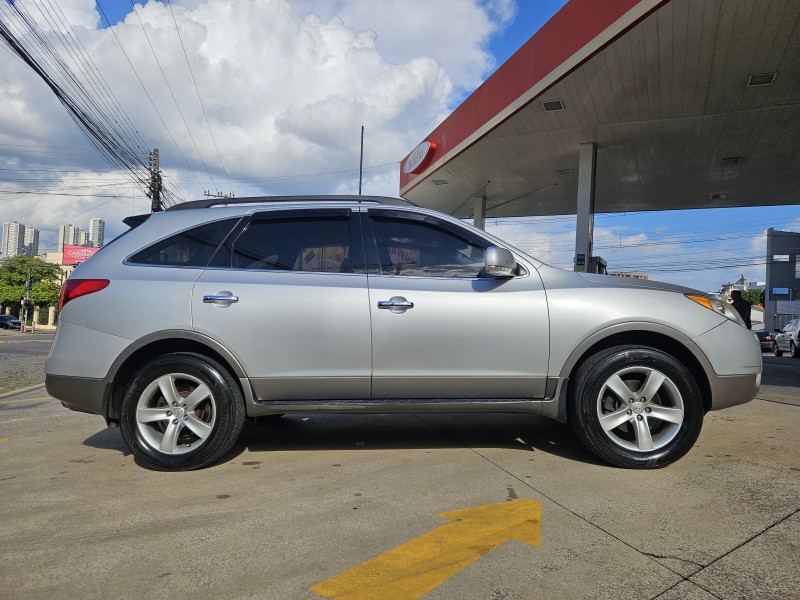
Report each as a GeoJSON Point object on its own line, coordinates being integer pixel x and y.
{"type": "Point", "coordinates": [640, 409]}
{"type": "Point", "coordinates": [176, 413]}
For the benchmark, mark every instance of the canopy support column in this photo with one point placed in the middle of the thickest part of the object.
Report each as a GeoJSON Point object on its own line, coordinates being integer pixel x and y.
{"type": "Point", "coordinates": [584, 230]}
{"type": "Point", "coordinates": [479, 218]}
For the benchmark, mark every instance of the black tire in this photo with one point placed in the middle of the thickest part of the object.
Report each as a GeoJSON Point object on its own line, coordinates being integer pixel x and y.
{"type": "Point", "coordinates": [639, 432]}
{"type": "Point", "coordinates": [794, 350]}
{"type": "Point", "coordinates": [183, 436]}
{"type": "Point", "coordinates": [775, 349]}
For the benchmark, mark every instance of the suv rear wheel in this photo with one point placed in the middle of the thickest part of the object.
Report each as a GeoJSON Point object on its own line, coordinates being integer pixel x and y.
{"type": "Point", "coordinates": [635, 406]}
{"type": "Point", "coordinates": [182, 411]}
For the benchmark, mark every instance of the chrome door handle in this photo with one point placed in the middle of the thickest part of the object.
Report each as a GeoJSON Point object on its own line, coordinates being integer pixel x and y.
{"type": "Point", "coordinates": [211, 299]}
{"type": "Point", "coordinates": [396, 304]}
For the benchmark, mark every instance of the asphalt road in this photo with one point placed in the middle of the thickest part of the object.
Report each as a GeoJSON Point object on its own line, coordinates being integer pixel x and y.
{"type": "Point", "coordinates": [14, 342]}
{"type": "Point", "coordinates": [781, 371]}
{"type": "Point", "coordinates": [302, 501]}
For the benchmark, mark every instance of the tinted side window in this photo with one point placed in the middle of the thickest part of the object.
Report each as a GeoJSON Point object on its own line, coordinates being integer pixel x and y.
{"type": "Point", "coordinates": [190, 248]}
{"type": "Point", "coordinates": [418, 248]}
{"type": "Point", "coordinates": [318, 243]}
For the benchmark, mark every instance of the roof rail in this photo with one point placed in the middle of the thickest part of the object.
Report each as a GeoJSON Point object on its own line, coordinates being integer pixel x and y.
{"type": "Point", "coordinates": [268, 199]}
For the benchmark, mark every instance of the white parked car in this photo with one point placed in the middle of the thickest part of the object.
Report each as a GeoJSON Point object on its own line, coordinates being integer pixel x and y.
{"type": "Point", "coordinates": [786, 339]}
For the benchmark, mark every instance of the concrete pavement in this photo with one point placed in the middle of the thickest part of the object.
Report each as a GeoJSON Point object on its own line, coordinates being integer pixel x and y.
{"type": "Point", "coordinates": [301, 499]}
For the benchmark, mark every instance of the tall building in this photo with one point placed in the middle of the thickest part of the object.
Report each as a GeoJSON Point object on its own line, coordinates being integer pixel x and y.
{"type": "Point", "coordinates": [31, 241]}
{"type": "Point", "coordinates": [97, 228]}
{"type": "Point", "coordinates": [13, 239]}
{"type": "Point", "coordinates": [782, 298]}
{"type": "Point", "coordinates": [70, 235]}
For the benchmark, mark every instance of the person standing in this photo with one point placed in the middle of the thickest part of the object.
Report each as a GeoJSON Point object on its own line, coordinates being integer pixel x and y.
{"type": "Point", "coordinates": [742, 306]}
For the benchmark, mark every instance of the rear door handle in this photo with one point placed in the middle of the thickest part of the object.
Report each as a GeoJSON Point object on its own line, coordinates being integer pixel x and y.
{"type": "Point", "coordinates": [222, 298]}
{"type": "Point", "coordinates": [395, 304]}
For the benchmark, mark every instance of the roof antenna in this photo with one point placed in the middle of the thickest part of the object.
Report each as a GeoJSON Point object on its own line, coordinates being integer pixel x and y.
{"type": "Point", "coordinates": [361, 162]}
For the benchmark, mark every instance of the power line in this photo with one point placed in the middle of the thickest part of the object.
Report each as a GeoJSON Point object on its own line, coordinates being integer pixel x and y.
{"type": "Point", "coordinates": [152, 103]}
{"type": "Point", "coordinates": [174, 99]}
{"type": "Point", "coordinates": [116, 147]}
{"type": "Point", "coordinates": [47, 147]}
{"type": "Point", "coordinates": [106, 93]}
{"type": "Point", "coordinates": [199, 98]}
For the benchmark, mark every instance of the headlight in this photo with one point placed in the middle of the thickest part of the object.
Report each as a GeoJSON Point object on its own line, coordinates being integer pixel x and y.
{"type": "Point", "coordinates": [718, 306]}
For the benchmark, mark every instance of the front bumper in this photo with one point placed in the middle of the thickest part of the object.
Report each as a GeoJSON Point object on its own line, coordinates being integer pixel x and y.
{"type": "Point", "coordinates": [734, 354]}
{"type": "Point", "coordinates": [731, 390]}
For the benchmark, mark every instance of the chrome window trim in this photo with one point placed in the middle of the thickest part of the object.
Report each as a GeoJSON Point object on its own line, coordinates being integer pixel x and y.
{"type": "Point", "coordinates": [437, 278]}
{"type": "Point", "coordinates": [246, 270]}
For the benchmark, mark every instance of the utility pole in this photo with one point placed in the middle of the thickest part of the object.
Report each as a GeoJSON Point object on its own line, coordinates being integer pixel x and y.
{"type": "Point", "coordinates": [26, 302]}
{"type": "Point", "coordinates": [155, 183]}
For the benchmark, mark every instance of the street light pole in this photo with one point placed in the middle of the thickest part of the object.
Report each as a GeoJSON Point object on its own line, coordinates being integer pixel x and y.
{"type": "Point", "coordinates": [26, 299]}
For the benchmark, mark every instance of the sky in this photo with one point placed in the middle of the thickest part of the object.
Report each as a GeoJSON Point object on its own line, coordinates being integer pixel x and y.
{"type": "Point", "coordinates": [261, 97]}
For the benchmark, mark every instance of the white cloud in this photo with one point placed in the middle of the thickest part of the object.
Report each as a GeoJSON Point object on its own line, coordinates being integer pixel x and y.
{"type": "Point", "coordinates": [453, 32]}
{"type": "Point", "coordinates": [286, 85]}
{"type": "Point", "coordinates": [63, 15]}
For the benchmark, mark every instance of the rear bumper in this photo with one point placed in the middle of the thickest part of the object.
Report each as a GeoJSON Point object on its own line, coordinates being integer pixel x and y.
{"type": "Point", "coordinates": [81, 394]}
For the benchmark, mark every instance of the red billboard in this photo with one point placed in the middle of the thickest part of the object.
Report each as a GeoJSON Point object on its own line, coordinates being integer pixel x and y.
{"type": "Point", "coordinates": [77, 254]}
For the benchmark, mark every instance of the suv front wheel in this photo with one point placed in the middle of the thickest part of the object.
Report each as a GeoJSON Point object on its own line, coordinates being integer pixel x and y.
{"type": "Point", "coordinates": [181, 411]}
{"type": "Point", "coordinates": [635, 406]}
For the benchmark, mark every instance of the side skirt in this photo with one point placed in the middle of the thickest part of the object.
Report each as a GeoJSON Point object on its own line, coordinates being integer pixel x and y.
{"type": "Point", "coordinates": [547, 407]}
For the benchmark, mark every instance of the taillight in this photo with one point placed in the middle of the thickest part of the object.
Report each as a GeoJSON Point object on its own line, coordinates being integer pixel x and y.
{"type": "Point", "coordinates": [75, 288]}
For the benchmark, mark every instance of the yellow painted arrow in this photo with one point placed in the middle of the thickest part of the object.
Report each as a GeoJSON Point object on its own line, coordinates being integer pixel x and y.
{"type": "Point", "coordinates": [413, 569]}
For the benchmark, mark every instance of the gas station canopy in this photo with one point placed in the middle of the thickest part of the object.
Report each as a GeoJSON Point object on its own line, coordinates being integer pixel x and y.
{"type": "Point", "coordinates": [684, 104]}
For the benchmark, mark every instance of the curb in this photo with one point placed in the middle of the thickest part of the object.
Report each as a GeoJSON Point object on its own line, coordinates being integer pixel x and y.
{"type": "Point", "coordinates": [21, 390]}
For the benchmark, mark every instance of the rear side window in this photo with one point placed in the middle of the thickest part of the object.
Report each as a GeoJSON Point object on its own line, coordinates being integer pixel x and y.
{"type": "Point", "coordinates": [318, 244]}
{"type": "Point", "coordinates": [191, 248]}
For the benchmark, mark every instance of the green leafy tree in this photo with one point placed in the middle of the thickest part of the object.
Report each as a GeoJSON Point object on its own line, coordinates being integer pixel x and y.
{"type": "Point", "coordinates": [754, 296]}
{"type": "Point", "coordinates": [45, 277]}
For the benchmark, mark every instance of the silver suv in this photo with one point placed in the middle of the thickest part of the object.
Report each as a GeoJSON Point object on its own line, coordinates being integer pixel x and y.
{"type": "Point", "coordinates": [204, 314]}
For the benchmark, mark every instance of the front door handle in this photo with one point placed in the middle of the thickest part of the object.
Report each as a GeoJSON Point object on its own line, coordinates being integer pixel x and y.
{"type": "Point", "coordinates": [396, 304]}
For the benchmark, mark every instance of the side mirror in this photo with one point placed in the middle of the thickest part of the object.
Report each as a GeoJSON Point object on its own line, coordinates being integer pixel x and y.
{"type": "Point", "coordinates": [499, 262]}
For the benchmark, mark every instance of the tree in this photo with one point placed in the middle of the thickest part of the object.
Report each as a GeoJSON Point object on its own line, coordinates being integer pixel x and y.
{"type": "Point", "coordinates": [45, 280]}
{"type": "Point", "coordinates": [754, 296]}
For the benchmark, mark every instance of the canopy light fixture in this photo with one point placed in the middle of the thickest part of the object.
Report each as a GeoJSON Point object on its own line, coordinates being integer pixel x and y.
{"type": "Point", "coordinates": [438, 182]}
{"type": "Point", "coordinates": [731, 160]}
{"type": "Point", "coordinates": [552, 105]}
{"type": "Point", "coordinates": [565, 171]}
{"type": "Point", "coordinates": [761, 79]}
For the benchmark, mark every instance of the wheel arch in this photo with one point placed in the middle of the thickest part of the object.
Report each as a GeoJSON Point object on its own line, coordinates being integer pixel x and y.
{"type": "Point", "coordinates": [159, 344]}
{"type": "Point", "coordinates": [652, 335]}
